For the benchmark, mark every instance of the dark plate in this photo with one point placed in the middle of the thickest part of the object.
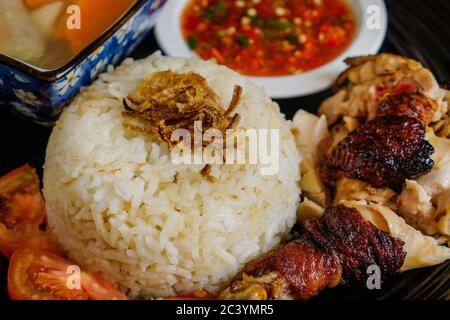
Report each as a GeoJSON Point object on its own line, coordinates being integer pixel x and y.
{"type": "Point", "coordinates": [418, 29]}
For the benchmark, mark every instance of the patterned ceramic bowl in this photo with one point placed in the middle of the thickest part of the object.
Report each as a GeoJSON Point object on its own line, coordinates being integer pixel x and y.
{"type": "Point", "coordinates": [41, 95]}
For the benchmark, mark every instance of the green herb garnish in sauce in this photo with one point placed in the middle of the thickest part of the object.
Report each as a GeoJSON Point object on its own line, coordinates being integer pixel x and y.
{"type": "Point", "coordinates": [192, 42]}
{"type": "Point", "coordinates": [243, 41]}
{"type": "Point", "coordinates": [216, 11]}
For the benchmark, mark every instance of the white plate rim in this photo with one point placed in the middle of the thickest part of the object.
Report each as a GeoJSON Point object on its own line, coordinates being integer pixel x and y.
{"type": "Point", "coordinates": [169, 37]}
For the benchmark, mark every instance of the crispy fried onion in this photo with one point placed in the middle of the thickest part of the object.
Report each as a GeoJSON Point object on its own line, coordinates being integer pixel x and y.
{"type": "Point", "coordinates": [166, 101]}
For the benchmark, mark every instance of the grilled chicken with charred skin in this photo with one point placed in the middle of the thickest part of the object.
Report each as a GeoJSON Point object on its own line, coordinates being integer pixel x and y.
{"type": "Point", "coordinates": [384, 152]}
{"type": "Point", "coordinates": [335, 249]}
{"type": "Point", "coordinates": [379, 140]}
{"type": "Point", "coordinates": [407, 103]}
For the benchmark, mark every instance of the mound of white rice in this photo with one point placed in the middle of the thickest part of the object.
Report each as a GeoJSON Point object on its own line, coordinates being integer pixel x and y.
{"type": "Point", "coordinates": [119, 205]}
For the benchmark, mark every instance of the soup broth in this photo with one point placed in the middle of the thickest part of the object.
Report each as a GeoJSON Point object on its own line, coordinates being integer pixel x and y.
{"type": "Point", "coordinates": [48, 33]}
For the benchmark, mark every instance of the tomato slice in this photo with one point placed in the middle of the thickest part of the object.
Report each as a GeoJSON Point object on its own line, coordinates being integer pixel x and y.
{"type": "Point", "coordinates": [99, 288]}
{"type": "Point", "coordinates": [22, 213]}
{"type": "Point", "coordinates": [24, 237]}
{"type": "Point", "coordinates": [34, 275]}
{"type": "Point", "coordinates": [20, 198]}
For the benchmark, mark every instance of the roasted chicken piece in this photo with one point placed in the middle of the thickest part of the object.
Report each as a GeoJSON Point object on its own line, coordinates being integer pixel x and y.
{"type": "Point", "coordinates": [421, 250]}
{"type": "Point", "coordinates": [361, 87]}
{"type": "Point", "coordinates": [424, 202]}
{"type": "Point", "coordinates": [355, 190]}
{"type": "Point", "coordinates": [335, 249]}
{"type": "Point", "coordinates": [338, 132]}
{"type": "Point", "coordinates": [308, 266]}
{"type": "Point", "coordinates": [383, 152]}
{"type": "Point", "coordinates": [357, 243]}
{"type": "Point", "coordinates": [273, 286]}
{"type": "Point", "coordinates": [404, 101]}
{"type": "Point", "coordinates": [407, 103]}
{"type": "Point", "coordinates": [309, 130]}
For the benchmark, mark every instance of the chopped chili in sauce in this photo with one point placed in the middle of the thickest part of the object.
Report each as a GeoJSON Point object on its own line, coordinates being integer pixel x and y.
{"type": "Point", "coordinates": [268, 38]}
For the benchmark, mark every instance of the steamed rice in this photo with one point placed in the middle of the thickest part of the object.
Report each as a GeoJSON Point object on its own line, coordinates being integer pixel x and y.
{"type": "Point", "coordinates": [120, 206]}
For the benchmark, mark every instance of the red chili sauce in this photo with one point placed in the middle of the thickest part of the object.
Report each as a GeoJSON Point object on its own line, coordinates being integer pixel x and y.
{"type": "Point", "coordinates": [268, 37]}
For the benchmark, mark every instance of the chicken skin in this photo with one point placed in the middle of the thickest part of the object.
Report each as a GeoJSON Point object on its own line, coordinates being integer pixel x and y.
{"type": "Point", "coordinates": [335, 249]}
{"type": "Point", "coordinates": [384, 152]}
{"type": "Point", "coordinates": [406, 103]}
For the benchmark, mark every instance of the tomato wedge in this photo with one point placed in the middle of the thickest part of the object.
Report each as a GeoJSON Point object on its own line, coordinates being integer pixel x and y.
{"type": "Point", "coordinates": [98, 288]}
{"type": "Point", "coordinates": [22, 213]}
{"type": "Point", "coordinates": [34, 275]}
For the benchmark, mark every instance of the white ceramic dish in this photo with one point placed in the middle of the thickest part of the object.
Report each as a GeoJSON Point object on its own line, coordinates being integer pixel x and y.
{"type": "Point", "coordinates": [367, 40]}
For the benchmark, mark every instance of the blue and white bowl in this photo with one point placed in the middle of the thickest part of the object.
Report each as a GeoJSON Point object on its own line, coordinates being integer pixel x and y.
{"type": "Point", "coordinates": [41, 95]}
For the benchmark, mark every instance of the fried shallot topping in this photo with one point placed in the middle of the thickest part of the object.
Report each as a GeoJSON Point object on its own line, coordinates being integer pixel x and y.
{"type": "Point", "coordinates": [166, 101]}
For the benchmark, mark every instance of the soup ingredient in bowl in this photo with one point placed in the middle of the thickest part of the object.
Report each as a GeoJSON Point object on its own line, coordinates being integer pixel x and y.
{"type": "Point", "coordinates": [35, 275]}
{"type": "Point", "coordinates": [268, 38]}
{"type": "Point", "coordinates": [46, 16]}
{"type": "Point", "coordinates": [18, 36]}
{"type": "Point", "coordinates": [96, 17]}
{"type": "Point", "coordinates": [37, 31]}
{"type": "Point", "coordinates": [119, 203]}
{"type": "Point", "coordinates": [34, 4]}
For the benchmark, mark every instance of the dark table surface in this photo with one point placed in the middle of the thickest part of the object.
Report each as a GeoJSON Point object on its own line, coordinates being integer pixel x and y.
{"type": "Point", "coordinates": [417, 29]}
